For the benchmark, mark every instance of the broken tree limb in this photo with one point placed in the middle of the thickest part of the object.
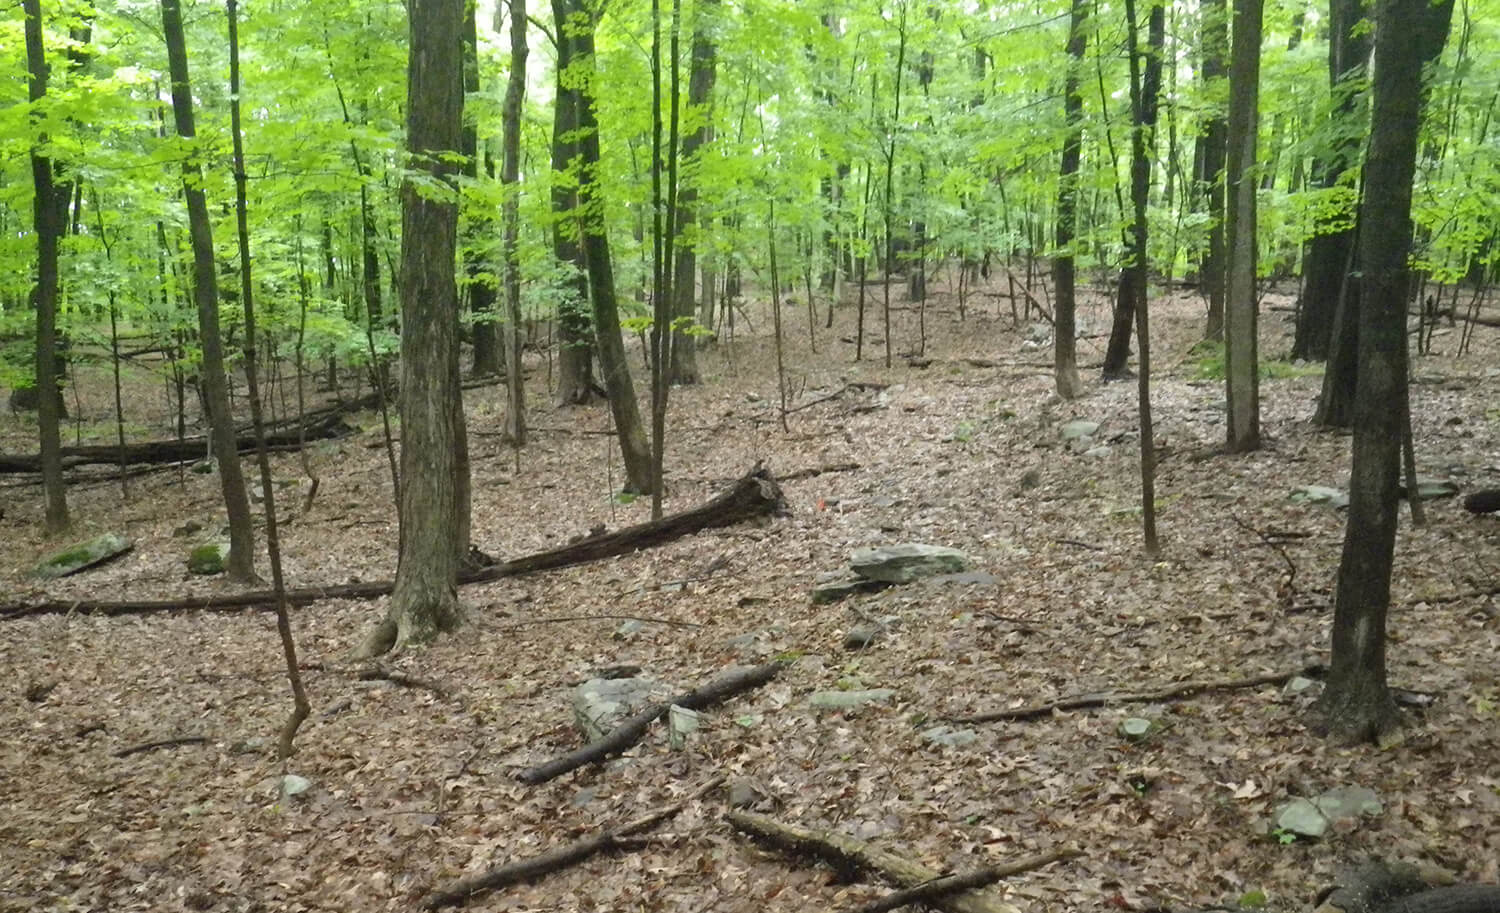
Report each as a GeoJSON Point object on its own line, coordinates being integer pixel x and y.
{"type": "Point", "coordinates": [1171, 693]}
{"type": "Point", "coordinates": [951, 884]}
{"type": "Point", "coordinates": [845, 852]}
{"type": "Point", "coordinates": [633, 729]}
{"type": "Point", "coordinates": [754, 495]}
{"type": "Point", "coordinates": [555, 860]}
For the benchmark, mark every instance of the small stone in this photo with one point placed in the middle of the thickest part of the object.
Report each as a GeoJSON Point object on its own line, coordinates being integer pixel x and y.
{"type": "Point", "coordinates": [849, 700]}
{"type": "Point", "coordinates": [630, 628]}
{"type": "Point", "coordinates": [907, 562]}
{"type": "Point", "coordinates": [681, 723]}
{"type": "Point", "coordinates": [1078, 428]}
{"type": "Point", "coordinates": [949, 737]}
{"type": "Point", "coordinates": [861, 637]}
{"type": "Point", "coordinates": [1298, 685]}
{"type": "Point", "coordinates": [187, 529]}
{"type": "Point", "coordinates": [209, 558]}
{"type": "Point", "coordinates": [742, 793]}
{"type": "Point", "coordinates": [1320, 494]}
{"type": "Point", "coordinates": [293, 785]}
{"type": "Point", "coordinates": [1136, 728]}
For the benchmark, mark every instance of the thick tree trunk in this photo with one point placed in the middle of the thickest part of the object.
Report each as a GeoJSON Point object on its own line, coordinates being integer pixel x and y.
{"type": "Point", "coordinates": [1065, 327]}
{"type": "Point", "coordinates": [575, 355]}
{"type": "Point", "coordinates": [701, 77]}
{"type": "Point", "coordinates": [434, 469]}
{"type": "Point", "coordinates": [1241, 360]}
{"type": "Point", "coordinates": [634, 451]}
{"type": "Point", "coordinates": [214, 384]}
{"type": "Point", "coordinates": [1357, 704]}
{"type": "Point", "coordinates": [1212, 153]}
{"type": "Point", "coordinates": [49, 210]}
{"type": "Point", "coordinates": [1330, 253]}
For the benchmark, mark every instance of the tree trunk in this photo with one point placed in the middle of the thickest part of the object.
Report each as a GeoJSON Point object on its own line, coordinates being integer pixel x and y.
{"type": "Point", "coordinates": [1241, 362]}
{"type": "Point", "coordinates": [701, 77]}
{"type": "Point", "coordinates": [1212, 152]}
{"type": "Point", "coordinates": [1065, 328]}
{"type": "Point", "coordinates": [575, 355]}
{"type": "Point", "coordinates": [1357, 704]}
{"type": "Point", "coordinates": [215, 386]}
{"type": "Point", "coordinates": [489, 357]}
{"type": "Point", "coordinates": [49, 210]}
{"type": "Point", "coordinates": [1330, 253]}
{"type": "Point", "coordinates": [434, 470]}
{"type": "Point", "coordinates": [634, 451]}
{"type": "Point", "coordinates": [510, 176]}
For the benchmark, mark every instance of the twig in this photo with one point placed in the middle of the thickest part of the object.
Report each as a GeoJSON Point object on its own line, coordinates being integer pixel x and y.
{"type": "Point", "coordinates": [1173, 692]}
{"type": "Point", "coordinates": [1287, 591]}
{"type": "Point", "coordinates": [161, 743]}
{"type": "Point", "coordinates": [559, 619]}
{"type": "Point", "coordinates": [555, 860]}
{"type": "Point", "coordinates": [813, 471]}
{"type": "Point", "coordinates": [979, 878]}
{"type": "Point", "coordinates": [857, 386]}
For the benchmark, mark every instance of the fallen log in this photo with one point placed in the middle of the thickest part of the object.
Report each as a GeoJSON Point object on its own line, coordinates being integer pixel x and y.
{"type": "Point", "coordinates": [459, 891]}
{"type": "Point", "coordinates": [845, 852]}
{"type": "Point", "coordinates": [754, 495]}
{"type": "Point", "coordinates": [196, 448]}
{"type": "Point", "coordinates": [930, 891]}
{"type": "Point", "coordinates": [1171, 693]}
{"type": "Point", "coordinates": [633, 729]}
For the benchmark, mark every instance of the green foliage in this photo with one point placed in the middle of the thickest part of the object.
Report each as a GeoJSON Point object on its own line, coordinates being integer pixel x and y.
{"type": "Point", "coordinates": [1210, 361]}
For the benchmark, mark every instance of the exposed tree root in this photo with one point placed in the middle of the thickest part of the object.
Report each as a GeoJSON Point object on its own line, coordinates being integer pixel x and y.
{"type": "Point", "coordinates": [631, 730]}
{"type": "Point", "coordinates": [754, 495]}
{"type": "Point", "coordinates": [1171, 693]}
{"type": "Point", "coordinates": [845, 852]}
{"type": "Point", "coordinates": [460, 891]}
{"type": "Point", "coordinates": [931, 891]}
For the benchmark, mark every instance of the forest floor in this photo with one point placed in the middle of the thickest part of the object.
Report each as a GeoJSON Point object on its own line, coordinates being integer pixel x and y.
{"type": "Point", "coordinates": [411, 789]}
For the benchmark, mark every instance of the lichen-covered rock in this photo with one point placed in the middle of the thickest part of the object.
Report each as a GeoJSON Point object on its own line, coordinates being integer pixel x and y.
{"type": "Point", "coordinates": [907, 562]}
{"type": "Point", "coordinates": [209, 558]}
{"type": "Point", "coordinates": [599, 704]}
{"type": "Point", "coordinates": [849, 700]}
{"type": "Point", "coordinates": [82, 555]}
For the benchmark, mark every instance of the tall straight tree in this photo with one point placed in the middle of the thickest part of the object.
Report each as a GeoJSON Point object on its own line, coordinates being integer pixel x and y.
{"type": "Point", "coordinates": [703, 71]}
{"type": "Point", "coordinates": [1241, 364]}
{"type": "Point", "coordinates": [49, 210]}
{"type": "Point", "coordinates": [434, 464]}
{"type": "Point", "coordinates": [578, 18]}
{"type": "Point", "coordinates": [575, 331]}
{"type": "Point", "coordinates": [479, 277]}
{"type": "Point", "coordinates": [241, 564]}
{"type": "Point", "coordinates": [510, 176]}
{"type": "Point", "coordinates": [1065, 329]}
{"type": "Point", "coordinates": [1212, 149]}
{"type": "Point", "coordinates": [1357, 703]}
{"type": "Point", "coordinates": [664, 241]}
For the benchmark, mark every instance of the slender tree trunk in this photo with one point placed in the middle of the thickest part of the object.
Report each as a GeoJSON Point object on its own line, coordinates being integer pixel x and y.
{"type": "Point", "coordinates": [634, 449]}
{"type": "Point", "coordinates": [1065, 327]}
{"type": "Point", "coordinates": [489, 357]}
{"type": "Point", "coordinates": [49, 212]}
{"type": "Point", "coordinates": [300, 706]}
{"type": "Point", "coordinates": [1212, 152]}
{"type": "Point", "coordinates": [241, 564]}
{"type": "Point", "coordinates": [510, 176]}
{"type": "Point", "coordinates": [1357, 704]}
{"type": "Point", "coordinates": [1241, 362]}
{"type": "Point", "coordinates": [434, 467]}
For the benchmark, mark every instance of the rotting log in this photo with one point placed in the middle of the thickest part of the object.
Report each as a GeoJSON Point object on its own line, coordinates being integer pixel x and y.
{"type": "Point", "coordinates": [754, 495]}
{"type": "Point", "coordinates": [1178, 691]}
{"type": "Point", "coordinates": [633, 729]}
{"type": "Point", "coordinates": [555, 860]}
{"type": "Point", "coordinates": [845, 852]}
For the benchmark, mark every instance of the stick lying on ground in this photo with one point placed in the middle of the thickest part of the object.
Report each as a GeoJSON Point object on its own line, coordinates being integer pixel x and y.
{"type": "Point", "coordinates": [952, 884]}
{"type": "Point", "coordinates": [1170, 693]}
{"type": "Point", "coordinates": [555, 860]}
{"type": "Point", "coordinates": [633, 729]}
{"type": "Point", "coordinates": [845, 852]}
{"type": "Point", "coordinates": [755, 495]}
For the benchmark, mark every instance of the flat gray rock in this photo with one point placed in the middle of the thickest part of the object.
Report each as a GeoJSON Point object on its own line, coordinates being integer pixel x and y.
{"type": "Point", "coordinates": [599, 704]}
{"type": "Point", "coordinates": [83, 555]}
{"type": "Point", "coordinates": [948, 737]}
{"type": "Point", "coordinates": [907, 562]}
{"type": "Point", "coordinates": [1320, 494]}
{"type": "Point", "coordinates": [1312, 817]}
{"type": "Point", "coordinates": [849, 700]}
{"type": "Point", "coordinates": [837, 585]}
{"type": "Point", "coordinates": [1078, 428]}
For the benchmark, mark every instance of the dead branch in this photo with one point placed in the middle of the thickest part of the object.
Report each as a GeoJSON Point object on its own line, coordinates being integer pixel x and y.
{"type": "Point", "coordinates": [952, 884]}
{"type": "Point", "coordinates": [845, 852]}
{"type": "Point", "coordinates": [631, 730]}
{"type": "Point", "coordinates": [555, 860]}
{"type": "Point", "coordinates": [1276, 540]}
{"type": "Point", "coordinates": [1171, 693]}
{"type": "Point", "coordinates": [756, 494]}
{"type": "Point", "coordinates": [813, 471]}
{"type": "Point", "coordinates": [855, 386]}
{"type": "Point", "coordinates": [559, 619]}
{"type": "Point", "coordinates": [160, 743]}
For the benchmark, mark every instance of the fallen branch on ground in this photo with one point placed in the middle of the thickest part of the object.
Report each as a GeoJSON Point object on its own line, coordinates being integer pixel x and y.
{"type": "Point", "coordinates": [1171, 693]}
{"type": "Point", "coordinates": [754, 495]}
{"type": "Point", "coordinates": [814, 471]}
{"type": "Point", "coordinates": [931, 891]}
{"type": "Point", "coordinates": [845, 852]}
{"type": "Point", "coordinates": [857, 386]}
{"type": "Point", "coordinates": [556, 860]}
{"type": "Point", "coordinates": [631, 730]}
{"type": "Point", "coordinates": [160, 743]}
{"type": "Point", "coordinates": [559, 619]}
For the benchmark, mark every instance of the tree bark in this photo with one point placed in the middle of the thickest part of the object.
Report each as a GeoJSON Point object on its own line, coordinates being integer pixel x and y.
{"type": "Point", "coordinates": [241, 565]}
{"type": "Point", "coordinates": [1065, 327]}
{"type": "Point", "coordinates": [1213, 148]}
{"type": "Point", "coordinates": [575, 349]}
{"type": "Point", "coordinates": [49, 211]}
{"type": "Point", "coordinates": [510, 176]}
{"type": "Point", "coordinates": [434, 470]}
{"type": "Point", "coordinates": [1357, 704]}
{"type": "Point", "coordinates": [702, 74]}
{"type": "Point", "coordinates": [1241, 361]}
{"type": "Point", "coordinates": [489, 357]}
